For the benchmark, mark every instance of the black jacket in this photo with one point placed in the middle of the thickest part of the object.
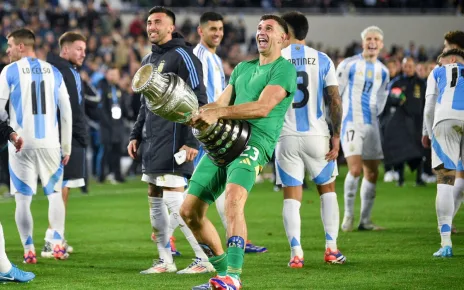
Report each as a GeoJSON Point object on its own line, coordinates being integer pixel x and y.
{"type": "Point", "coordinates": [5, 132]}
{"type": "Point", "coordinates": [161, 139]}
{"type": "Point", "coordinates": [111, 130]}
{"type": "Point", "coordinates": [403, 131]}
{"type": "Point", "coordinates": [74, 85]}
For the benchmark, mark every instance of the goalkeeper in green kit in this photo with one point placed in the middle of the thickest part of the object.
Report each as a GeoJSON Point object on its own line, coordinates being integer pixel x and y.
{"type": "Point", "coordinates": [260, 92]}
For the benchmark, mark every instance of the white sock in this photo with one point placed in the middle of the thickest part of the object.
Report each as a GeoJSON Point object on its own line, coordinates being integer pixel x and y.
{"type": "Point", "coordinates": [159, 218]}
{"type": "Point", "coordinates": [24, 222]}
{"type": "Point", "coordinates": [458, 193]}
{"type": "Point", "coordinates": [49, 235]}
{"type": "Point", "coordinates": [292, 225]}
{"type": "Point", "coordinates": [367, 200]}
{"type": "Point", "coordinates": [5, 264]}
{"type": "Point", "coordinates": [221, 209]}
{"type": "Point", "coordinates": [445, 206]}
{"type": "Point", "coordinates": [350, 190]}
{"type": "Point", "coordinates": [330, 219]}
{"type": "Point", "coordinates": [173, 201]}
{"type": "Point", "coordinates": [56, 216]}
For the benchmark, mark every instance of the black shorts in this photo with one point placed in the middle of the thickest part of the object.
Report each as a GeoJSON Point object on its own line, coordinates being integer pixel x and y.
{"type": "Point", "coordinates": [75, 168]}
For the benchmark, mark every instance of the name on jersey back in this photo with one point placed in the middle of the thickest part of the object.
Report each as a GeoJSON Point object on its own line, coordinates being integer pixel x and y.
{"type": "Point", "coordinates": [303, 61]}
{"type": "Point", "coordinates": [36, 70]}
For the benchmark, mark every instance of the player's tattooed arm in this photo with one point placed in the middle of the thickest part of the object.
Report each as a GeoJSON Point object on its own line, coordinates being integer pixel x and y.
{"type": "Point", "coordinates": [335, 109]}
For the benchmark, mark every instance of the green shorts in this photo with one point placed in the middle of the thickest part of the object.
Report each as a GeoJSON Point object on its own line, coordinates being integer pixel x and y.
{"type": "Point", "coordinates": [209, 181]}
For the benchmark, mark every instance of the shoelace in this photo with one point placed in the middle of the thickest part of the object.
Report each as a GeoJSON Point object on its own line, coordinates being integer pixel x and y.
{"type": "Point", "coordinates": [196, 262]}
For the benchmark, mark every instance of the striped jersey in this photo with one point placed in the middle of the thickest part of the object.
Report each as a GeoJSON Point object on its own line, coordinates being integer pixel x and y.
{"type": "Point", "coordinates": [36, 91]}
{"type": "Point", "coordinates": [447, 83]}
{"type": "Point", "coordinates": [213, 72]}
{"type": "Point", "coordinates": [315, 71]}
{"type": "Point", "coordinates": [363, 88]}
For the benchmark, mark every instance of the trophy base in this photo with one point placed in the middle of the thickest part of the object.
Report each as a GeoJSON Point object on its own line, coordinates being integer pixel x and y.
{"type": "Point", "coordinates": [225, 141]}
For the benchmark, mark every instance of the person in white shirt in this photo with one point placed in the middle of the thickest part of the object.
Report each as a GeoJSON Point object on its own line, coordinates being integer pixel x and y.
{"type": "Point", "coordinates": [444, 118]}
{"type": "Point", "coordinates": [305, 142]}
{"type": "Point", "coordinates": [363, 83]}
{"type": "Point", "coordinates": [36, 92]}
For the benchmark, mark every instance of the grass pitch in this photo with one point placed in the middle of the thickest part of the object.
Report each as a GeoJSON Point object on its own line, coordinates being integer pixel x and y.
{"type": "Point", "coordinates": [110, 232]}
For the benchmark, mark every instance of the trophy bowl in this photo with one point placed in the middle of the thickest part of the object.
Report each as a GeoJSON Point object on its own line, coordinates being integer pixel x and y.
{"type": "Point", "coordinates": [169, 97]}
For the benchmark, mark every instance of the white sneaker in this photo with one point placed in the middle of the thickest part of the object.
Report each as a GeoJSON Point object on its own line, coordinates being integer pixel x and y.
{"type": "Point", "coordinates": [69, 248]}
{"type": "Point", "coordinates": [198, 266]}
{"type": "Point", "coordinates": [396, 176]}
{"type": "Point", "coordinates": [347, 224]}
{"type": "Point", "coordinates": [388, 177]}
{"type": "Point", "coordinates": [159, 266]}
{"type": "Point", "coordinates": [47, 250]}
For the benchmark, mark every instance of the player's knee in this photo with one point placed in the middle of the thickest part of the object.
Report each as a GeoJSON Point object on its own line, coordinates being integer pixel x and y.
{"type": "Point", "coordinates": [190, 215]}
{"type": "Point", "coordinates": [356, 171]}
{"type": "Point", "coordinates": [236, 196]}
{"type": "Point", "coordinates": [371, 175]}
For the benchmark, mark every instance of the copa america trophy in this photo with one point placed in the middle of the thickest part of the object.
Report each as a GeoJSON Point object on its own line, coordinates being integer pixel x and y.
{"type": "Point", "coordinates": [169, 97]}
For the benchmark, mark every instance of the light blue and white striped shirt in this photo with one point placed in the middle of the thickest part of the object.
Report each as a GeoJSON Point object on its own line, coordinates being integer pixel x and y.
{"type": "Point", "coordinates": [213, 72]}
{"type": "Point", "coordinates": [36, 91]}
{"type": "Point", "coordinates": [363, 88]}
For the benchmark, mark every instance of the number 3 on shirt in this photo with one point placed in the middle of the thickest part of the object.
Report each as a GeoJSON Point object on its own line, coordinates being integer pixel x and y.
{"type": "Point", "coordinates": [252, 155]}
{"type": "Point", "coordinates": [303, 87]}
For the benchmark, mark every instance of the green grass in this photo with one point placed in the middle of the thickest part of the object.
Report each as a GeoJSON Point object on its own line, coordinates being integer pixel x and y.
{"type": "Point", "coordinates": [110, 231]}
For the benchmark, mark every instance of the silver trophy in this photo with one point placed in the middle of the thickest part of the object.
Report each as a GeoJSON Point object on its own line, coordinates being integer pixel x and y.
{"type": "Point", "coordinates": [169, 97]}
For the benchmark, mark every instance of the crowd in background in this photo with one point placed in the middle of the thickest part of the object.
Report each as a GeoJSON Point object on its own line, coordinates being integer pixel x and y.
{"type": "Point", "coordinates": [111, 45]}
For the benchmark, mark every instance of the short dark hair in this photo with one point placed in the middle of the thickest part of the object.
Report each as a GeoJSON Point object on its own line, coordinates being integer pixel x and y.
{"type": "Point", "coordinates": [454, 51]}
{"type": "Point", "coordinates": [161, 9]}
{"type": "Point", "coordinates": [210, 16]}
{"type": "Point", "coordinates": [455, 37]}
{"type": "Point", "coordinates": [70, 37]}
{"type": "Point", "coordinates": [297, 24]}
{"type": "Point", "coordinates": [276, 18]}
{"type": "Point", "coordinates": [24, 35]}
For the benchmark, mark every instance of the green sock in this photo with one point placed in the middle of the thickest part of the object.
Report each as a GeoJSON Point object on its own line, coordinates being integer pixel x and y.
{"type": "Point", "coordinates": [220, 264]}
{"type": "Point", "coordinates": [235, 255]}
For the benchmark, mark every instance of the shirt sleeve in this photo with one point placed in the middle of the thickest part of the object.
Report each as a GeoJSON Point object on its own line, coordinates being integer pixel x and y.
{"type": "Point", "coordinates": [65, 117]}
{"type": "Point", "coordinates": [234, 75]}
{"type": "Point", "coordinates": [342, 74]}
{"type": "Point", "coordinates": [382, 93]}
{"type": "Point", "coordinates": [4, 91]}
{"type": "Point", "coordinates": [431, 95]}
{"type": "Point", "coordinates": [331, 76]}
{"type": "Point", "coordinates": [284, 75]}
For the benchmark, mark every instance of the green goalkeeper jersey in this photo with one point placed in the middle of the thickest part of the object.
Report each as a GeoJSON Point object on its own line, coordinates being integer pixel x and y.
{"type": "Point", "coordinates": [249, 79]}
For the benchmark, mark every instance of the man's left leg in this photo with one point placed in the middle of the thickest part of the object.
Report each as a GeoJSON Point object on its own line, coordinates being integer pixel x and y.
{"type": "Point", "coordinates": [368, 192]}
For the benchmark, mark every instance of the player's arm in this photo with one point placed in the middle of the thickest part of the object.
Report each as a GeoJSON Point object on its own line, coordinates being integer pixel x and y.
{"type": "Point", "coordinates": [66, 119]}
{"type": "Point", "coordinates": [269, 98]}
{"type": "Point", "coordinates": [223, 100]}
{"type": "Point", "coordinates": [382, 93]}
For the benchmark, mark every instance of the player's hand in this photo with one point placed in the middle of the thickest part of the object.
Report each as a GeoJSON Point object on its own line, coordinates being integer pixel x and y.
{"type": "Point", "coordinates": [426, 142]}
{"type": "Point", "coordinates": [65, 160]}
{"type": "Point", "coordinates": [17, 141]}
{"type": "Point", "coordinates": [333, 153]}
{"type": "Point", "coordinates": [132, 148]}
{"type": "Point", "coordinates": [204, 118]}
{"type": "Point", "coordinates": [191, 153]}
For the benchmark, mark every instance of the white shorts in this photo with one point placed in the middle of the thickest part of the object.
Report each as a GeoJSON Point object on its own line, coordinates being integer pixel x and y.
{"type": "Point", "coordinates": [74, 183]}
{"type": "Point", "coordinates": [165, 180]}
{"type": "Point", "coordinates": [448, 144]}
{"type": "Point", "coordinates": [294, 154]}
{"type": "Point", "coordinates": [28, 164]}
{"type": "Point", "coordinates": [361, 139]}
